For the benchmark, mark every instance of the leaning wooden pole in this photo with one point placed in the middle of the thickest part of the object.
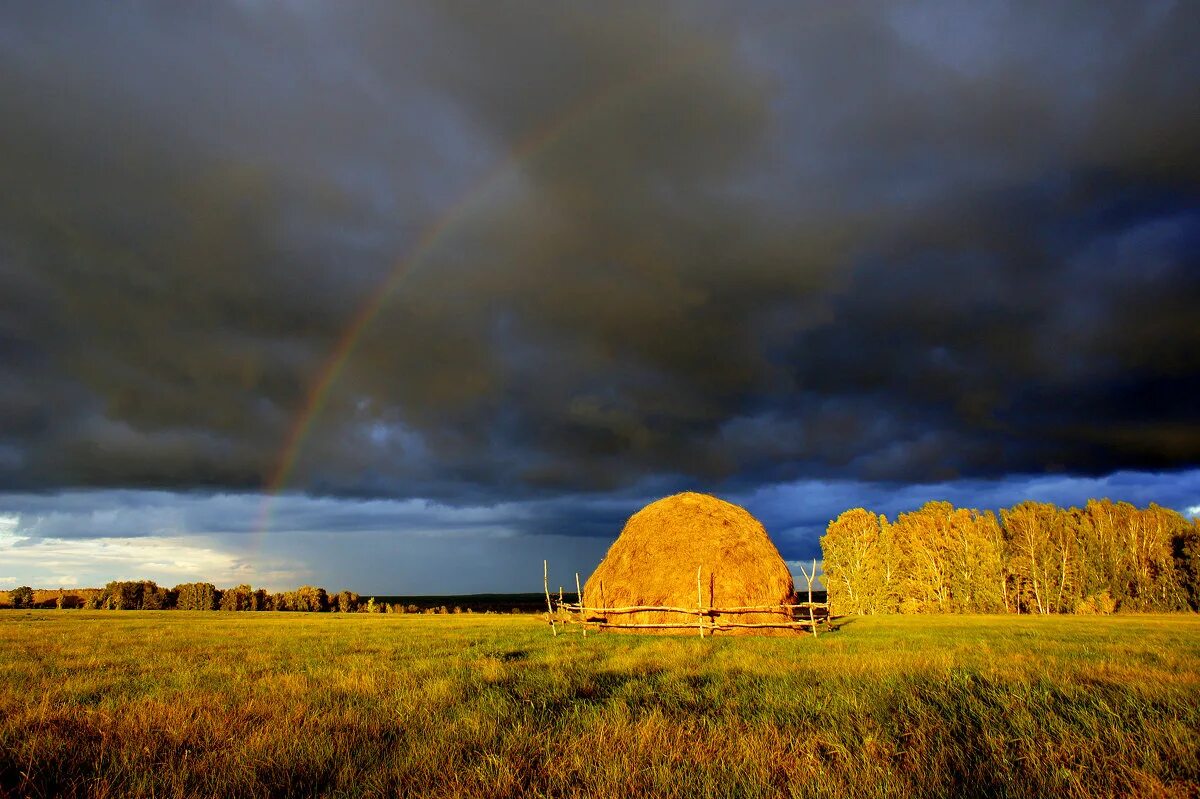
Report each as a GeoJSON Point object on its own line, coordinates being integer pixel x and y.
{"type": "Point", "coordinates": [579, 599]}
{"type": "Point", "coordinates": [811, 616]}
{"type": "Point", "coordinates": [810, 581]}
{"type": "Point", "coordinates": [808, 578]}
{"type": "Point", "coordinates": [546, 588]}
{"type": "Point", "coordinates": [699, 601]}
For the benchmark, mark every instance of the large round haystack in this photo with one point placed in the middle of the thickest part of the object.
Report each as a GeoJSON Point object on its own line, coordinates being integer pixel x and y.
{"type": "Point", "coordinates": [654, 562]}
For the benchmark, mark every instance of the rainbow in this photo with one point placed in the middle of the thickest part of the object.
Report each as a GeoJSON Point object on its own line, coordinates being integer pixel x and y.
{"type": "Point", "coordinates": [541, 139]}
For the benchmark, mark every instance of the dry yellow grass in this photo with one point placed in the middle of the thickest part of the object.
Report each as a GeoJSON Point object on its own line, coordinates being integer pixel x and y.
{"type": "Point", "coordinates": [278, 704]}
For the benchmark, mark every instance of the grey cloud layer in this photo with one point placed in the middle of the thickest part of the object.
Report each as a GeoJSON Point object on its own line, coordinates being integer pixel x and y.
{"type": "Point", "coordinates": [898, 244]}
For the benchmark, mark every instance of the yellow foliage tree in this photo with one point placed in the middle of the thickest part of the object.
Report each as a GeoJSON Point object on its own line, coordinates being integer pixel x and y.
{"type": "Point", "coordinates": [858, 560]}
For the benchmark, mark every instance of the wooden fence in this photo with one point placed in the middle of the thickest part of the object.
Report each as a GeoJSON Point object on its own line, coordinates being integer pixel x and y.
{"type": "Point", "coordinates": [809, 616]}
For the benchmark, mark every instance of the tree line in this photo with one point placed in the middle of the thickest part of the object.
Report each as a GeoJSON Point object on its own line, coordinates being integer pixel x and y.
{"type": "Point", "coordinates": [1034, 557]}
{"type": "Point", "coordinates": [148, 595]}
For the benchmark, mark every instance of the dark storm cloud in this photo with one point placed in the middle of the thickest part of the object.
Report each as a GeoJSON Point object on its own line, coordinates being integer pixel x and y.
{"type": "Point", "coordinates": [892, 243]}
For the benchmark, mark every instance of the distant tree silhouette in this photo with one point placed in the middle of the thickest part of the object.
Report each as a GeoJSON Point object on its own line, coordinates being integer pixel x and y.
{"type": "Point", "coordinates": [21, 597]}
{"type": "Point", "coordinates": [155, 597]}
{"type": "Point", "coordinates": [196, 596]}
{"type": "Point", "coordinates": [238, 599]}
{"type": "Point", "coordinates": [134, 595]}
{"type": "Point", "coordinates": [308, 599]}
{"type": "Point", "coordinates": [347, 601]}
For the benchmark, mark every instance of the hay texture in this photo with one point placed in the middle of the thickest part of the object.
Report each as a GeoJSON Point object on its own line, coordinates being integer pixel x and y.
{"type": "Point", "coordinates": [654, 562]}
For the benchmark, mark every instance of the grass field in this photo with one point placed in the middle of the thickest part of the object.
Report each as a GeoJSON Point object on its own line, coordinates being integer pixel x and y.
{"type": "Point", "coordinates": [217, 704]}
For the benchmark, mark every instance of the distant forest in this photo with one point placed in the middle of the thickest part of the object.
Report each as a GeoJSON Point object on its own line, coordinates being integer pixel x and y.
{"type": "Point", "coordinates": [148, 595]}
{"type": "Point", "coordinates": [1033, 558]}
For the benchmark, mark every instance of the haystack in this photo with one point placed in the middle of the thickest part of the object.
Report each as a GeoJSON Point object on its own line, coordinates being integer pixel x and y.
{"type": "Point", "coordinates": [654, 562]}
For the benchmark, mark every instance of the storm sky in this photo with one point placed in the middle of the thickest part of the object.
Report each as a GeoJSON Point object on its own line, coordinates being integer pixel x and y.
{"type": "Point", "coordinates": [804, 256]}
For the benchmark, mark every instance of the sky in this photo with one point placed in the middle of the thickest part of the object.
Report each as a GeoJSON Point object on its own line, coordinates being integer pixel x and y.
{"type": "Point", "coordinates": [405, 298]}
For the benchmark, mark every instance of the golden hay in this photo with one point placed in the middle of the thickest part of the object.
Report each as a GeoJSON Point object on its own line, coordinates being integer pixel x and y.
{"type": "Point", "coordinates": [654, 562]}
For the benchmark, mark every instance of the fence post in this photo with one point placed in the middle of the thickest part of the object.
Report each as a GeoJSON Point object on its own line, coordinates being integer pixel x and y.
{"type": "Point", "coordinates": [579, 599]}
{"type": "Point", "coordinates": [812, 619]}
{"type": "Point", "coordinates": [546, 588]}
{"type": "Point", "coordinates": [699, 601]}
{"type": "Point", "coordinates": [811, 616]}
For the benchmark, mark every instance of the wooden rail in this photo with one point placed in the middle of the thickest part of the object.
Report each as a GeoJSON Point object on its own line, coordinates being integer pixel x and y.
{"type": "Point", "coordinates": [780, 625]}
{"type": "Point", "coordinates": [581, 614]}
{"type": "Point", "coordinates": [574, 608]}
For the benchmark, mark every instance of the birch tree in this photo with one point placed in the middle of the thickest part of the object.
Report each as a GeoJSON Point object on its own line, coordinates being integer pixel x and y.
{"type": "Point", "coordinates": [853, 562]}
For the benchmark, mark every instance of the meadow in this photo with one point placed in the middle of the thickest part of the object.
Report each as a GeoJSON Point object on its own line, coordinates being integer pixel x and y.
{"type": "Point", "coordinates": [280, 704]}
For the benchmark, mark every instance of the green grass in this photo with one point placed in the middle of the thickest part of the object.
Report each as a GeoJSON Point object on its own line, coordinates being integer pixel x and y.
{"type": "Point", "coordinates": [213, 704]}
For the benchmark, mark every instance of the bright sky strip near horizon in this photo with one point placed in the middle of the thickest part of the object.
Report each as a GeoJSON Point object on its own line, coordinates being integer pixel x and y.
{"type": "Point", "coordinates": [832, 256]}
